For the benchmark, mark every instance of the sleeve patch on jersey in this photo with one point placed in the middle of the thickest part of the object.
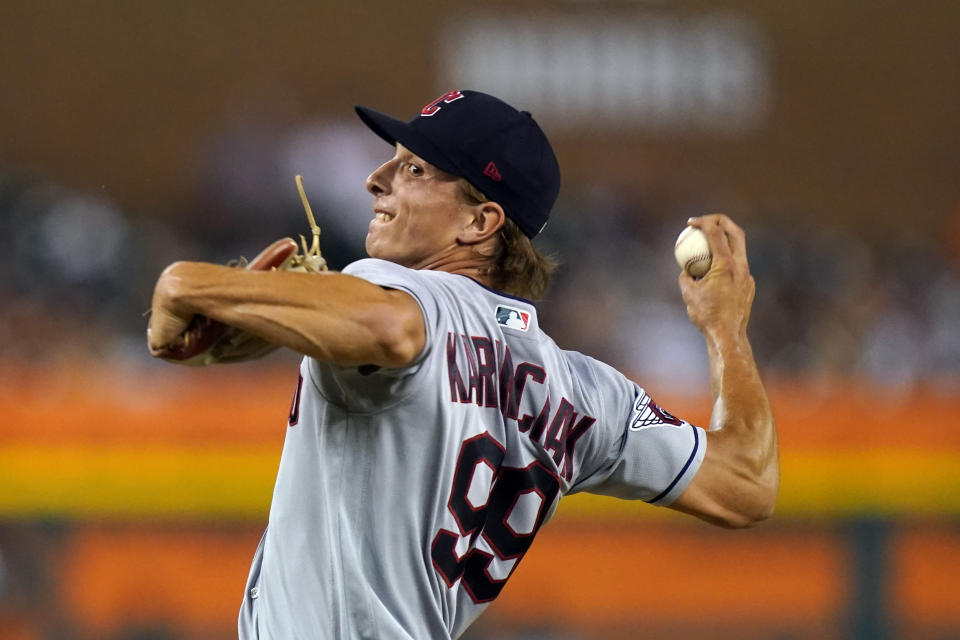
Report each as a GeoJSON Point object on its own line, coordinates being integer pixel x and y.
{"type": "Point", "coordinates": [646, 413]}
{"type": "Point", "coordinates": [513, 318]}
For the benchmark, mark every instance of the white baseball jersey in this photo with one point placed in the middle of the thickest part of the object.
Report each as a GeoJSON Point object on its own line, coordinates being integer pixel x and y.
{"type": "Point", "coordinates": [405, 498]}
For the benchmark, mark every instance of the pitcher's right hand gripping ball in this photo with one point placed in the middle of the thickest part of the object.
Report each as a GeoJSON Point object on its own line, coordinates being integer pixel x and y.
{"type": "Point", "coordinates": [721, 300]}
{"type": "Point", "coordinates": [206, 341]}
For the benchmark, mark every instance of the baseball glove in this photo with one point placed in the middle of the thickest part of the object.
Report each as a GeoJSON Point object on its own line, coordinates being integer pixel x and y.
{"type": "Point", "coordinates": [206, 341]}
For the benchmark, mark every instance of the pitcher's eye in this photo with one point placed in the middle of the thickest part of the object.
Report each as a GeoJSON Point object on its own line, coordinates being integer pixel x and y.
{"type": "Point", "coordinates": [414, 170]}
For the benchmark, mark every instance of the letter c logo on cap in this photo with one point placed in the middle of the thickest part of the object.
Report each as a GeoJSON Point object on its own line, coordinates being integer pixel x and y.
{"type": "Point", "coordinates": [434, 106]}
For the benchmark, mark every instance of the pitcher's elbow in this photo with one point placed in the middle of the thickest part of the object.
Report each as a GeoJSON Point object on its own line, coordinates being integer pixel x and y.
{"type": "Point", "coordinates": [755, 505]}
{"type": "Point", "coordinates": [762, 514]}
{"type": "Point", "coordinates": [763, 473]}
{"type": "Point", "coordinates": [763, 504]}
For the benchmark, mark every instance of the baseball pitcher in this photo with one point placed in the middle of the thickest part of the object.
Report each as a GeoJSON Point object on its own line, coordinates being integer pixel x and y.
{"type": "Point", "coordinates": [435, 426]}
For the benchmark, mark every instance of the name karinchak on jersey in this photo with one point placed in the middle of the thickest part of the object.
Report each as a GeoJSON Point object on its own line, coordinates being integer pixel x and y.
{"type": "Point", "coordinates": [492, 381]}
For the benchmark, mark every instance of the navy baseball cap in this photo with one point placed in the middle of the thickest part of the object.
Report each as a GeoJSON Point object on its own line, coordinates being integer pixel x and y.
{"type": "Point", "coordinates": [499, 150]}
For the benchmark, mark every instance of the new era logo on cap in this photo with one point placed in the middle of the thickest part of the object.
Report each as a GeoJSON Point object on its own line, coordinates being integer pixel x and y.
{"type": "Point", "coordinates": [513, 318]}
{"type": "Point", "coordinates": [492, 172]}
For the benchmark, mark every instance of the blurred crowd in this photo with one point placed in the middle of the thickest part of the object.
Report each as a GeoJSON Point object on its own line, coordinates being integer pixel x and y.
{"type": "Point", "coordinates": [79, 270]}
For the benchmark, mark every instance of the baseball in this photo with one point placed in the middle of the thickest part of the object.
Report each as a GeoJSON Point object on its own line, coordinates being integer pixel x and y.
{"type": "Point", "coordinates": [693, 252]}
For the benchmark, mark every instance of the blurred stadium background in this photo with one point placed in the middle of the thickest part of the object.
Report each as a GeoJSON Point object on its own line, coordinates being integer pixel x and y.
{"type": "Point", "coordinates": [133, 493]}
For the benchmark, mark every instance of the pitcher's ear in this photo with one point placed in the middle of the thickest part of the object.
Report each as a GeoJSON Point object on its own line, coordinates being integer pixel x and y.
{"type": "Point", "coordinates": [488, 218]}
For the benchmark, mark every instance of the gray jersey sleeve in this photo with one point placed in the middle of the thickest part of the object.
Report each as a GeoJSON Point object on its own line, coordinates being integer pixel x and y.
{"type": "Point", "coordinates": [371, 388]}
{"type": "Point", "coordinates": [393, 276]}
{"type": "Point", "coordinates": [639, 451]}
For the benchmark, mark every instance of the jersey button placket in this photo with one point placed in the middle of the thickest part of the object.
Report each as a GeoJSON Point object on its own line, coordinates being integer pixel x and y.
{"type": "Point", "coordinates": [254, 593]}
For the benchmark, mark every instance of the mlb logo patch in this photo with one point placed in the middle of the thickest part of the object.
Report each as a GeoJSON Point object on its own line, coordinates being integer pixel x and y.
{"type": "Point", "coordinates": [513, 318]}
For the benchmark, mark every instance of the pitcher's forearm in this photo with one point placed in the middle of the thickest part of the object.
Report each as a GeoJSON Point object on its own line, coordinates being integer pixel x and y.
{"type": "Point", "coordinates": [330, 316]}
{"type": "Point", "coordinates": [741, 409]}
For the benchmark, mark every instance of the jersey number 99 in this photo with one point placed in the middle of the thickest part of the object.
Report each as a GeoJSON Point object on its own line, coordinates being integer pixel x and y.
{"type": "Point", "coordinates": [491, 518]}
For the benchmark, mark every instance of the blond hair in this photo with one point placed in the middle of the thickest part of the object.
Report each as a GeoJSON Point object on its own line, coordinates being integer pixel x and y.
{"type": "Point", "coordinates": [516, 266]}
